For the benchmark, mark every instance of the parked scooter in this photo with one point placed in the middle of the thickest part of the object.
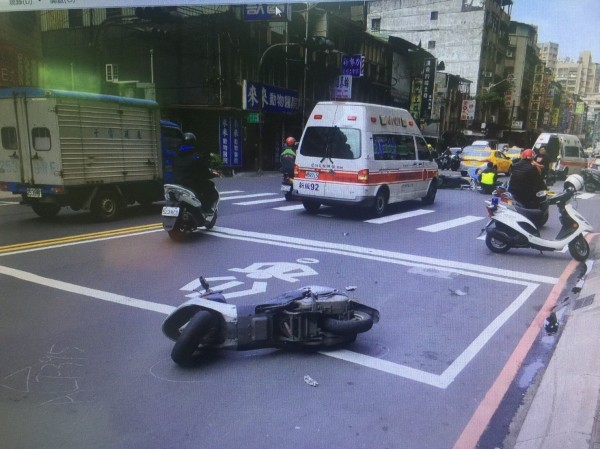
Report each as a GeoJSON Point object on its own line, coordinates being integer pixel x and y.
{"type": "Point", "coordinates": [508, 229]}
{"type": "Point", "coordinates": [591, 179]}
{"type": "Point", "coordinates": [538, 216]}
{"type": "Point", "coordinates": [310, 317]}
{"type": "Point", "coordinates": [184, 212]}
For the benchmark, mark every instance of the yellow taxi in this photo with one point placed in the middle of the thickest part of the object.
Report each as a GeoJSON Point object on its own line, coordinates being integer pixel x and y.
{"type": "Point", "coordinates": [475, 156]}
{"type": "Point", "coordinates": [513, 153]}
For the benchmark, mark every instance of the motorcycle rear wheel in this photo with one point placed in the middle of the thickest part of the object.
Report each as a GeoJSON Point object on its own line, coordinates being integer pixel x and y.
{"type": "Point", "coordinates": [185, 350]}
{"type": "Point", "coordinates": [361, 322]}
{"type": "Point", "coordinates": [579, 249]}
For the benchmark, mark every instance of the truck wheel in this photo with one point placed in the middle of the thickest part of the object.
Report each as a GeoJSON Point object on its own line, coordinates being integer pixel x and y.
{"type": "Point", "coordinates": [184, 351]}
{"type": "Point", "coordinates": [105, 206]}
{"type": "Point", "coordinates": [46, 210]}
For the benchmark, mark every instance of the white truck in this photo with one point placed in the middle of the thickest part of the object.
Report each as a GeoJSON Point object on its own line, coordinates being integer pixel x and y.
{"type": "Point", "coordinates": [83, 150]}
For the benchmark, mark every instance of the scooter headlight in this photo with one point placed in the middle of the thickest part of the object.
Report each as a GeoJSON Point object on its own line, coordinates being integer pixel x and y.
{"type": "Point", "coordinates": [573, 183]}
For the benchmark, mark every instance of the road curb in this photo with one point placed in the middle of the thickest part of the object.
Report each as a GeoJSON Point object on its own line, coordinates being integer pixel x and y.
{"type": "Point", "coordinates": [563, 413]}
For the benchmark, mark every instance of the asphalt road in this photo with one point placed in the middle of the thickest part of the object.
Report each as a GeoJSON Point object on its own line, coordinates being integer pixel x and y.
{"type": "Point", "coordinates": [84, 363]}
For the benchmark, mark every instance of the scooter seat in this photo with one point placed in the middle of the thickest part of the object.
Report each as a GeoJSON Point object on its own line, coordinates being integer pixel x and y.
{"type": "Point", "coordinates": [532, 215]}
{"type": "Point", "coordinates": [282, 300]}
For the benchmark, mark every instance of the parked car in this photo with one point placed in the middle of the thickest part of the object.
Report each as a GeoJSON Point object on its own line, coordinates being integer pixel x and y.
{"type": "Point", "coordinates": [475, 156]}
{"type": "Point", "coordinates": [513, 153]}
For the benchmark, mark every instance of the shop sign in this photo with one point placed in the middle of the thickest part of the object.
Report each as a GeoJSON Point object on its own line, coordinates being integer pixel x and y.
{"type": "Point", "coordinates": [230, 141]}
{"type": "Point", "coordinates": [263, 97]}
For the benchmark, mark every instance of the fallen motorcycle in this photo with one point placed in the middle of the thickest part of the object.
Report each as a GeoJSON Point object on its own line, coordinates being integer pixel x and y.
{"type": "Point", "coordinates": [311, 317]}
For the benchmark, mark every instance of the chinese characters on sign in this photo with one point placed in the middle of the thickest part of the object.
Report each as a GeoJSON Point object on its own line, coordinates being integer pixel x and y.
{"type": "Point", "coordinates": [429, 65]}
{"type": "Point", "coordinates": [343, 87]}
{"type": "Point", "coordinates": [230, 141]}
{"type": "Point", "coordinates": [415, 97]}
{"type": "Point", "coordinates": [263, 97]}
{"type": "Point", "coordinates": [353, 65]}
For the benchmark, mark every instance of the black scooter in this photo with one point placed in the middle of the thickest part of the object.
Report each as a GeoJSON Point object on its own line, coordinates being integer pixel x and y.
{"type": "Point", "coordinates": [184, 212]}
{"type": "Point", "coordinates": [308, 318]}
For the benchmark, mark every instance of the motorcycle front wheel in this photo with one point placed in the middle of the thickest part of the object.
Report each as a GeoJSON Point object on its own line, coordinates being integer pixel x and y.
{"type": "Point", "coordinates": [185, 350]}
{"type": "Point", "coordinates": [579, 249]}
{"type": "Point", "coordinates": [496, 245]}
{"type": "Point", "coordinates": [361, 322]}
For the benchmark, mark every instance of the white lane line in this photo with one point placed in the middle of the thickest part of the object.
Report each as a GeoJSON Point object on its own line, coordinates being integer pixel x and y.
{"type": "Point", "coordinates": [377, 254]}
{"type": "Point", "coordinates": [585, 196]}
{"type": "Point", "coordinates": [439, 381]}
{"type": "Point", "coordinates": [86, 291]}
{"type": "Point", "coordinates": [450, 224]}
{"type": "Point", "coordinates": [252, 203]}
{"type": "Point", "coordinates": [402, 216]}
{"type": "Point", "coordinates": [288, 208]}
{"type": "Point", "coordinates": [250, 195]}
{"type": "Point", "coordinates": [229, 192]}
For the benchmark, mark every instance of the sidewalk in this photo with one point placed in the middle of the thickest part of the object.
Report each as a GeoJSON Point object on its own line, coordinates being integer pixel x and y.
{"type": "Point", "coordinates": [564, 413]}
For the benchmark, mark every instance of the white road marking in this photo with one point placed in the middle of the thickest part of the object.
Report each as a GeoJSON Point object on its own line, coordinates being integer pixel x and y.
{"type": "Point", "coordinates": [528, 281]}
{"type": "Point", "coordinates": [252, 203]}
{"type": "Point", "coordinates": [288, 208]}
{"type": "Point", "coordinates": [250, 195]}
{"type": "Point", "coordinates": [585, 196]}
{"type": "Point", "coordinates": [450, 224]}
{"type": "Point", "coordinates": [402, 216]}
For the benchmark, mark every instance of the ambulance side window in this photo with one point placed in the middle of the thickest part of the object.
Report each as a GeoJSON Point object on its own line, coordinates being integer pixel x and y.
{"type": "Point", "coordinates": [423, 149]}
{"type": "Point", "coordinates": [393, 147]}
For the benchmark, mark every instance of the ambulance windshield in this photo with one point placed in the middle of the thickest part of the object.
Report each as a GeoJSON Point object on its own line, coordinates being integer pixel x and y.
{"type": "Point", "coordinates": [331, 142]}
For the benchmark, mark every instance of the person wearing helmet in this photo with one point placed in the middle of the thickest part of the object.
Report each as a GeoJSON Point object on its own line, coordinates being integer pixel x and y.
{"type": "Point", "coordinates": [191, 169]}
{"type": "Point", "coordinates": [288, 157]}
{"type": "Point", "coordinates": [526, 181]}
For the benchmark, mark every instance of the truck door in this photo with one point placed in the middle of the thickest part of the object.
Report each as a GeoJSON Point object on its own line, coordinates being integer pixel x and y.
{"type": "Point", "coordinates": [44, 146]}
{"type": "Point", "coordinates": [11, 156]}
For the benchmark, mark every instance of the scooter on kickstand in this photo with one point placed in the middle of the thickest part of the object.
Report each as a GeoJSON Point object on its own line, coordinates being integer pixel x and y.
{"type": "Point", "coordinates": [184, 212]}
{"type": "Point", "coordinates": [508, 229]}
{"type": "Point", "coordinates": [311, 317]}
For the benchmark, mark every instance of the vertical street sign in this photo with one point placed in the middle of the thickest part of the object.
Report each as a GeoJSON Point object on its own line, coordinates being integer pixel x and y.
{"type": "Point", "coordinates": [353, 65]}
{"type": "Point", "coordinates": [343, 87]}
{"type": "Point", "coordinates": [230, 141]}
{"type": "Point", "coordinates": [429, 65]}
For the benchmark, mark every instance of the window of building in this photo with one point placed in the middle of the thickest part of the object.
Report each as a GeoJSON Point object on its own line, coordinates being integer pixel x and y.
{"type": "Point", "coordinates": [9, 138]}
{"type": "Point", "coordinates": [430, 45]}
{"type": "Point", "coordinates": [434, 15]}
{"type": "Point", "coordinates": [376, 24]}
{"type": "Point", "coordinates": [41, 139]}
{"type": "Point", "coordinates": [75, 18]}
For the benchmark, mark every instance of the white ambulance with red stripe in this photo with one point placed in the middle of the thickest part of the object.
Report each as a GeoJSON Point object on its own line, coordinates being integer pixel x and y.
{"type": "Point", "coordinates": [364, 155]}
{"type": "Point", "coordinates": [565, 151]}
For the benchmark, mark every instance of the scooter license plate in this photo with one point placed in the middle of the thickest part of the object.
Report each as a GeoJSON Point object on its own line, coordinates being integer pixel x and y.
{"type": "Point", "coordinates": [285, 188]}
{"type": "Point", "coordinates": [168, 211]}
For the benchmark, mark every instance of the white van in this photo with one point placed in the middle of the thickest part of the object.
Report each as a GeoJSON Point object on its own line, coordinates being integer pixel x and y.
{"type": "Point", "coordinates": [364, 155]}
{"type": "Point", "coordinates": [564, 150]}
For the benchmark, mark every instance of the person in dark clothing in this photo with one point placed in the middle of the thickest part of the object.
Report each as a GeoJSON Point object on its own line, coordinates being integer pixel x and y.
{"type": "Point", "coordinates": [487, 178]}
{"type": "Point", "coordinates": [191, 169]}
{"type": "Point", "coordinates": [526, 181]}
{"type": "Point", "coordinates": [542, 160]}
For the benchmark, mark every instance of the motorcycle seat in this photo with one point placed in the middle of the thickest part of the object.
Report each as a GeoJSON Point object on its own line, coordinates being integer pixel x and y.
{"type": "Point", "coordinates": [283, 300]}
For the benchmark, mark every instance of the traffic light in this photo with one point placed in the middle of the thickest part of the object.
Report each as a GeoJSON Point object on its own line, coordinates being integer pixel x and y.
{"type": "Point", "coordinates": [319, 43]}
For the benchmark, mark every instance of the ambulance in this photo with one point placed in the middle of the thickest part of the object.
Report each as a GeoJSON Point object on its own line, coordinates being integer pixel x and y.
{"type": "Point", "coordinates": [361, 154]}
{"type": "Point", "coordinates": [565, 152]}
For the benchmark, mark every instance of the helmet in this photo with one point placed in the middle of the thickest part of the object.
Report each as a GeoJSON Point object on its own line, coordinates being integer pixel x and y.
{"type": "Point", "coordinates": [527, 154]}
{"type": "Point", "coordinates": [189, 142]}
{"type": "Point", "coordinates": [290, 141]}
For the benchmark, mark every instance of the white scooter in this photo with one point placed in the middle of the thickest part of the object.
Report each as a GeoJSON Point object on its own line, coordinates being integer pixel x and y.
{"type": "Point", "coordinates": [509, 229]}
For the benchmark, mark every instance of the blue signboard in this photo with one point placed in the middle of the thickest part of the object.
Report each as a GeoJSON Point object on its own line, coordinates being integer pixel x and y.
{"type": "Point", "coordinates": [263, 97]}
{"type": "Point", "coordinates": [230, 141]}
{"type": "Point", "coordinates": [267, 12]}
{"type": "Point", "coordinates": [353, 65]}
